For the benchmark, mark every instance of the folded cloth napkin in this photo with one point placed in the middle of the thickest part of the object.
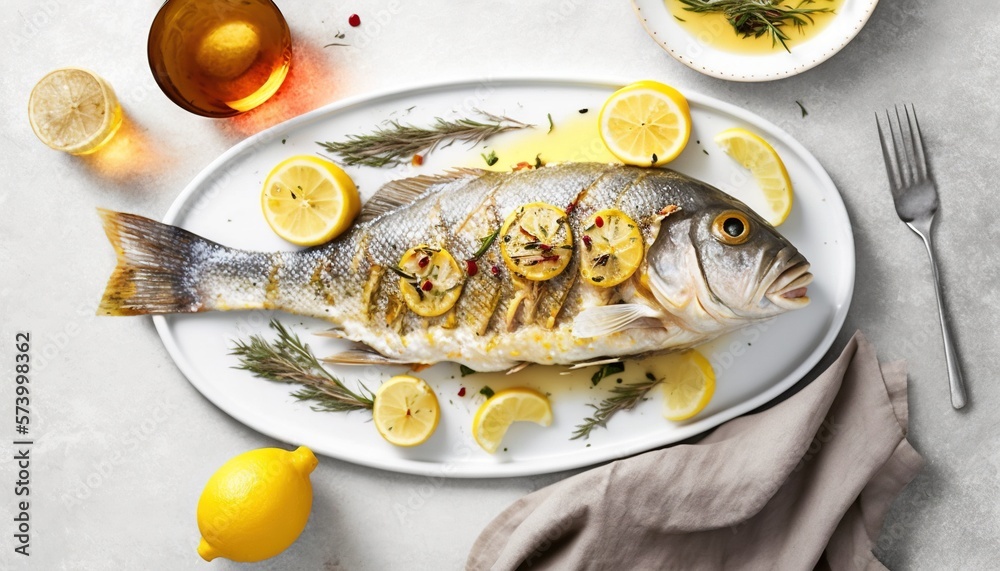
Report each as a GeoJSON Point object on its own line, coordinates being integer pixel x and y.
{"type": "Point", "coordinates": [802, 485]}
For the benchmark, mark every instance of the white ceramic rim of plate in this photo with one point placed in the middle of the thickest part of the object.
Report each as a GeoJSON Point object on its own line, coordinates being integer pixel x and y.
{"type": "Point", "coordinates": [260, 422]}
{"type": "Point", "coordinates": [672, 37]}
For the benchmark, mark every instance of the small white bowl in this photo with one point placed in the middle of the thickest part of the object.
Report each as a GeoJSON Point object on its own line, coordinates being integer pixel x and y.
{"type": "Point", "coordinates": [696, 54]}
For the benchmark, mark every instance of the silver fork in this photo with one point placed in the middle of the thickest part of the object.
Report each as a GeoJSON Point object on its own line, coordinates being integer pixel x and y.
{"type": "Point", "coordinates": [916, 199]}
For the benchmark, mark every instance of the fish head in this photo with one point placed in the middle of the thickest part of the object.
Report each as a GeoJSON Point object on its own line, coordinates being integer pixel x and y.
{"type": "Point", "coordinates": [716, 264]}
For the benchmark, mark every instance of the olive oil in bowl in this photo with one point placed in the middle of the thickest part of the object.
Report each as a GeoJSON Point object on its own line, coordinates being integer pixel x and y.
{"type": "Point", "coordinates": [219, 58]}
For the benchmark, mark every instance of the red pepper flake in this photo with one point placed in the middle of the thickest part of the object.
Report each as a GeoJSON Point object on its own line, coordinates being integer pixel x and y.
{"type": "Point", "coordinates": [495, 270]}
{"type": "Point", "coordinates": [586, 241]}
{"type": "Point", "coordinates": [552, 258]}
{"type": "Point", "coordinates": [428, 286]}
{"type": "Point", "coordinates": [417, 160]}
{"type": "Point", "coordinates": [461, 392]}
{"type": "Point", "coordinates": [471, 267]}
{"type": "Point", "coordinates": [523, 165]}
{"type": "Point", "coordinates": [423, 262]}
{"type": "Point", "coordinates": [528, 234]}
{"type": "Point", "coordinates": [599, 222]}
{"type": "Point", "coordinates": [544, 247]}
{"type": "Point", "coordinates": [354, 20]}
{"type": "Point", "coordinates": [570, 207]}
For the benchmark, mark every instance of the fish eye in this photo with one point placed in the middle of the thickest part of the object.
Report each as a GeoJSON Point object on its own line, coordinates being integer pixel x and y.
{"type": "Point", "coordinates": [731, 227]}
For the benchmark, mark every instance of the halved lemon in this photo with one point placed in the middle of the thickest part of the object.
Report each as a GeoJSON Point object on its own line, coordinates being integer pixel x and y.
{"type": "Point", "coordinates": [309, 201]}
{"type": "Point", "coordinates": [406, 411]}
{"type": "Point", "coordinates": [688, 386]}
{"type": "Point", "coordinates": [506, 407]}
{"type": "Point", "coordinates": [612, 248]}
{"type": "Point", "coordinates": [74, 110]}
{"type": "Point", "coordinates": [536, 241]}
{"type": "Point", "coordinates": [430, 280]}
{"type": "Point", "coordinates": [759, 156]}
{"type": "Point", "coordinates": [646, 123]}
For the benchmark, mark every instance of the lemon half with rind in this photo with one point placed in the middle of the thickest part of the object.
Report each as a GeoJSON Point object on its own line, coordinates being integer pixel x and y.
{"type": "Point", "coordinates": [256, 504]}
{"type": "Point", "coordinates": [536, 241]}
{"type": "Point", "coordinates": [767, 168]}
{"type": "Point", "coordinates": [646, 123]}
{"type": "Point", "coordinates": [309, 201]}
{"type": "Point", "coordinates": [612, 248]}
{"type": "Point", "coordinates": [504, 408]}
{"type": "Point", "coordinates": [431, 282]}
{"type": "Point", "coordinates": [688, 386]}
{"type": "Point", "coordinates": [74, 110]}
{"type": "Point", "coordinates": [406, 411]}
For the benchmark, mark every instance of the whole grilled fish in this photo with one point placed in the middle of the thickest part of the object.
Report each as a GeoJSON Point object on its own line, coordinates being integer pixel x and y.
{"type": "Point", "coordinates": [711, 266]}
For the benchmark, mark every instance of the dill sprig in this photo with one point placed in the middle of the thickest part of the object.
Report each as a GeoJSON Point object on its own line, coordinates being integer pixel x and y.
{"type": "Point", "coordinates": [758, 17]}
{"type": "Point", "coordinates": [397, 143]}
{"type": "Point", "coordinates": [288, 360]}
{"type": "Point", "coordinates": [623, 397]}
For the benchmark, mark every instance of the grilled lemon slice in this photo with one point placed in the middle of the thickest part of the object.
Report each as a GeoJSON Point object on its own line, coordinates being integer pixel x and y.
{"type": "Point", "coordinates": [612, 248]}
{"type": "Point", "coordinates": [506, 407]}
{"type": "Point", "coordinates": [536, 241]}
{"type": "Point", "coordinates": [646, 123]}
{"type": "Point", "coordinates": [688, 386]}
{"type": "Point", "coordinates": [757, 155]}
{"type": "Point", "coordinates": [430, 280]}
{"type": "Point", "coordinates": [309, 201]}
{"type": "Point", "coordinates": [406, 411]}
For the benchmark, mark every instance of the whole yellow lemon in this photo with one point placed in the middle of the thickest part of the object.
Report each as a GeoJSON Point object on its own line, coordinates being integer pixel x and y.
{"type": "Point", "coordinates": [256, 505]}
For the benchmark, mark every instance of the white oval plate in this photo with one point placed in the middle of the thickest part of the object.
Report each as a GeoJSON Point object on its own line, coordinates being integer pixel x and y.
{"type": "Point", "coordinates": [753, 365]}
{"type": "Point", "coordinates": [701, 57]}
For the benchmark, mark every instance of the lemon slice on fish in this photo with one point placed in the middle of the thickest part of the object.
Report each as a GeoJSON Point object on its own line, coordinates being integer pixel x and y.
{"type": "Point", "coordinates": [406, 411]}
{"type": "Point", "coordinates": [309, 201]}
{"type": "Point", "coordinates": [430, 280]}
{"type": "Point", "coordinates": [74, 111]}
{"type": "Point", "coordinates": [612, 248]}
{"type": "Point", "coordinates": [688, 386]}
{"type": "Point", "coordinates": [757, 155]}
{"type": "Point", "coordinates": [646, 123]}
{"type": "Point", "coordinates": [536, 241]}
{"type": "Point", "coordinates": [506, 407]}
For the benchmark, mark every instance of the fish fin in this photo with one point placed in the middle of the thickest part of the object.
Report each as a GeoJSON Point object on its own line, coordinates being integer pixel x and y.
{"type": "Point", "coordinates": [517, 368]}
{"type": "Point", "coordinates": [608, 319]}
{"type": "Point", "coordinates": [595, 363]}
{"type": "Point", "coordinates": [362, 357]}
{"type": "Point", "coordinates": [154, 273]}
{"type": "Point", "coordinates": [333, 332]}
{"type": "Point", "coordinates": [403, 191]}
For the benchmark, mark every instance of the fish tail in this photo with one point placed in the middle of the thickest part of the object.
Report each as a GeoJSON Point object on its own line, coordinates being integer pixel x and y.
{"type": "Point", "coordinates": [155, 273]}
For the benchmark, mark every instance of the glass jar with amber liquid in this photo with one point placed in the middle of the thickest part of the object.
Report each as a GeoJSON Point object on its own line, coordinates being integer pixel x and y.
{"type": "Point", "coordinates": [219, 58]}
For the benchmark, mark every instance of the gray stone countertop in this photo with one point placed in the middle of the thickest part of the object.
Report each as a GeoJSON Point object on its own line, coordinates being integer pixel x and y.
{"type": "Point", "coordinates": [110, 391]}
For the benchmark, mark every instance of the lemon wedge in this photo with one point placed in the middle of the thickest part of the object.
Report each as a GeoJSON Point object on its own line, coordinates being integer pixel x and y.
{"type": "Point", "coordinates": [688, 386]}
{"type": "Point", "coordinates": [757, 155]}
{"type": "Point", "coordinates": [74, 110]}
{"type": "Point", "coordinates": [612, 248]}
{"type": "Point", "coordinates": [309, 201]}
{"type": "Point", "coordinates": [256, 505]}
{"type": "Point", "coordinates": [646, 123]}
{"type": "Point", "coordinates": [431, 280]}
{"type": "Point", "coordinates": [406, 411]}
{"type": "Point", "coordinates": [536, 242]}
{"type": "Point", "coordinates": [506, 407]}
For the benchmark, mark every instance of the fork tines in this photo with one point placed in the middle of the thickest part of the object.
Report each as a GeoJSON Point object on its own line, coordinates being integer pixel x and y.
{"type": "Point", "coordinates": [905, 160]}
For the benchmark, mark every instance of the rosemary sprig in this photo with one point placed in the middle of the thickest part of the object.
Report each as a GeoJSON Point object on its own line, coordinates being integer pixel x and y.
{"type": "Point", "coordinates": [758, 17]}
{"type": "Point", "coordinates": [288, 360]}
{"type": "Point", "coordinates": [397, 143]}
{"type": "Point", "coordinates": [623, 397]}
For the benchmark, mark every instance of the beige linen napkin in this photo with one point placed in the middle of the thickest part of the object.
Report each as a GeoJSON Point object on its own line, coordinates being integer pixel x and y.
{"type": "Point", "coordinates": [802, 485]}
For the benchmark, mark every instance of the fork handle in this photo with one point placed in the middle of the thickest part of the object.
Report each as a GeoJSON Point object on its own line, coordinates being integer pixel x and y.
{"type": "Point", "coordinates": [950, 355]}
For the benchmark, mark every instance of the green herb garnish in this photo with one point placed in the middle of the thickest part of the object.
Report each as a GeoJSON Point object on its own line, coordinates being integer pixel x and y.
{"type": "Point", "coordinates": [288, 360]}
{"type": "Point", "coordinates": [397, 143]}
{"type": "Point", "coordinates": [466, 371]}
{"type": "Point", "coordinates": [551, 124]}
{"type": "Point", "coordinates": [606, 371]}
{"type": "Point", "coordinates": [802, 107]}
{"type": "Point", "coordinates": [491, 159]}
{"type": "Point", "coordinates": [623, 397]}
{"type": "Point", "coordinates": [487, 392]}
{"type": "Point", "coordinates": [758, 17]}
